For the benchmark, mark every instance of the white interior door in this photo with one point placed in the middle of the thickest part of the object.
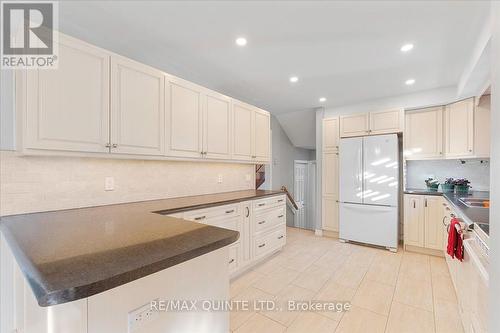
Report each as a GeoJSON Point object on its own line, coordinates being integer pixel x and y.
{"type": "Point", "coordinates": [311, 196]}
{"type": "Point", "coordinates": [381, 170]}
{"type": "Point", "coordinates": [299, 193]}
{"type": "Point", "coordinates": [351, 169]}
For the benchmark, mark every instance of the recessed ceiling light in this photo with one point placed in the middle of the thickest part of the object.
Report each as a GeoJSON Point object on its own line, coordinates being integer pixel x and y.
{"type": "Point", "coordinates": [294, 79]}
{"type": "Point", "coordinates": [322, 99]}
{"type": "Point", "coordinates": [241, 41]}
{"type": "Point", "coordinates": [409, 82]}
{"type": "Point", "coordinates": [406, 47]}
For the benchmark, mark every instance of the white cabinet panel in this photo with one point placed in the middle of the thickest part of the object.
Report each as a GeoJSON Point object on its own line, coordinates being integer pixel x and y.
{"type": "Point", "coordinates": [217, 127]}
{"type": "Point", "coordinates": [137, 108]}
{"type": "Point", "coordinates": [424, 133]}
{"type": "Point", "coordinates": [388, 121]}
{"type": "Point", "coordinates": [482, 127]}
{"type": "Point", "coordinates": [331, 174]}
{"type": "Point", "coordinates": [330, 208]}
{"type": "Point", "coordinates": [459, 129]}
{"type": "Point", "coordinates": [184, 119]}
{"type": "Point", "coordinates": [243, 127]}
{"type": "Point", "coordinates": [331, 134]}
{"type": "Point", "coordinates": [351, 170]}
{"type": "Point", "coordinates": [433, 208]}
{"type": "Point", "coordinates": [354, 125]}
{"type": "Point", "coordinates": [262, 136]}
{"type": "Point", "coordinates": [414, 220]}
{"type": "Point", "coordinates": [68, 108]}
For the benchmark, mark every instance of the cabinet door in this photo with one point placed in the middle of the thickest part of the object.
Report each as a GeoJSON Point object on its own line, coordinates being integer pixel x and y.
{"type": "Point", "coordinates": [354, 125]}
{"type": "Point", "coordinates": [330, 208]}
{"type": "Point", "coordinates": [424, 133]}
{"type": "Point", "coordinates": [184, 118]}
{"type": "Point", "coordinates": [137, 108]}
{"type": "Point", "coordinates": [68, 108]}
{"type": "Point", "coordinates": [459, 129]}
{"type": "Point", "coordinates": [331, 174]}
{"type": "Point", "coordinates": [388, 121]}
{"type": "Point", "coordinates": [262, 136]}
{"type": "Point", "coordinates": [331, 133]}
{"type": "Point", "coordinates": [433, 235]}
{"type": "Point", "coordinates": [482, 127]}
{"type": "Point", "coordinates": [243, 118]}
{"type": "Point", "coordinates": [414, 220]}
{"type": "Point", "coordinates": [216, 126]}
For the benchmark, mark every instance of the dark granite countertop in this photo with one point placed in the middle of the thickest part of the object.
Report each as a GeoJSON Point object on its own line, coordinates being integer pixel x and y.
{"type": "Point", "coordinates": [470, 215]}
{"type": "Point", "coordinates": [72, 254]}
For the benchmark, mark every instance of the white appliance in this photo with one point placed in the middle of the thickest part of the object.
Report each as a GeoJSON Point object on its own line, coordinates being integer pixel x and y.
{"type": "Point", "coordinates": [369, 190]}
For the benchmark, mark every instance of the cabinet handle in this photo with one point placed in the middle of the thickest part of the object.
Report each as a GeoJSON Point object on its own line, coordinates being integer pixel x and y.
{"type": "Point", "coordinates": [425, 202]}
{"type": "Point", "coordinates": [200, 218]}
{"type": "Point", "coordinates": [261, 204]}
{"type": "Point", "coordinates": [414, 204]}
{"type": "Point", "coordinates": [248, 212]}
{"type": "Point", "coordinates": [280, 237]}
{"type": "Point", "coordinates": [229, 211]}
{"type": "Point", "coordinates": [470, 150]}
{"type": "Point", "coordinates": [114, 145]}
{"type": "Point", "coordinates": [231, 261]}
{"type": "Point", "coordinates": [444, 219]}
{"type": "Point", "coordinates": [253, 156]}
{"type": "Point", "coordinates": [262, 222]}
{"type": "Point", "coordinates": [280, 216]}
{"type": "Point", "coordinates": [280, 200]}
{"type": "Point", "coordinates": [107, 145]}
{"type": "Point", "coordinates": [262, 245]}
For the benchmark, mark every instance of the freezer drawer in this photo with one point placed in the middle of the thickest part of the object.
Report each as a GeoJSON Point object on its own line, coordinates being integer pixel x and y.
{"type": "Point", "coordinates": [377, 225]}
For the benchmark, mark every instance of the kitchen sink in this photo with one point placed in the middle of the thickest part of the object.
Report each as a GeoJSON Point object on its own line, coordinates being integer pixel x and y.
{"type": "Point", "coordinates": [476, 202]}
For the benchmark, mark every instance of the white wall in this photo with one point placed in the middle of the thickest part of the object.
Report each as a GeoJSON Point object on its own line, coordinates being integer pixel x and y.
{"type": "Point", "coordinates": [494, 284]}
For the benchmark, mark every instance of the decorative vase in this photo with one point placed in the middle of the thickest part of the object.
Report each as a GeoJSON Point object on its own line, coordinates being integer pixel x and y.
{"type": "Point", "coordinates": [433, 187]}
{"type": "Point", "coordinates": [447, 188]}
{"type": "Point", "coordinates": [462, 189]}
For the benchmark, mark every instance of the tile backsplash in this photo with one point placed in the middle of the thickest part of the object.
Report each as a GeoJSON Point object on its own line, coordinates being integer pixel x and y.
{"type": "Point", "coordinates": [42, 183]}
{"type": "Point", "coordinates": [478, 173]}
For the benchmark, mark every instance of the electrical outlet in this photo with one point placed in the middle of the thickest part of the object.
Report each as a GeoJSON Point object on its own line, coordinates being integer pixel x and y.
{"type": "Point", "coordinates": [219, 179]}
{"type": "Point", "coordinates": [141, 316]}
{"type": "Point", "coordinates": [109, 184]}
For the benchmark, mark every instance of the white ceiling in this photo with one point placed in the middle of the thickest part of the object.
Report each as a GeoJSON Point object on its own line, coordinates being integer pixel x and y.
{"type": "Point", "coordinates": [345, 51]}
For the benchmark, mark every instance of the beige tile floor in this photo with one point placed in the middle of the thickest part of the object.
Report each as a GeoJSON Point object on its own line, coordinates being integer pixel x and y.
{"type": "Point", "coordinates": [388, 292]}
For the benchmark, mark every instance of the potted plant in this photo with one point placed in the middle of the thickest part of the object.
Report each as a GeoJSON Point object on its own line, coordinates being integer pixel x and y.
{"type": "Point", "coordinates": [448, 185]}
{"type": "Point", "coordinates": [462, 185]}
{"type": "Point", "coordinates": [432, 184]}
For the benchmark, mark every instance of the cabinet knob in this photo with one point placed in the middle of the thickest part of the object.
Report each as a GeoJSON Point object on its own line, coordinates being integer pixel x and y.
{"type": "Point", "coordinates": [114, 145]}
{"type": "Point", "coordinates": [107, 145]}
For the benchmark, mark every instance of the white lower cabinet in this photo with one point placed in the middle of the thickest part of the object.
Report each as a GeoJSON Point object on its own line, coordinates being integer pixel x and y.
{"type": "Point", "coordinates": [261, 224]}
{"type": "Point", "coordinates": [423, 216]}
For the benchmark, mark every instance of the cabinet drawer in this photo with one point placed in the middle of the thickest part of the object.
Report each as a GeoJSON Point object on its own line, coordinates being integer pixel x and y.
{"type": "Point", "coordinates": [269, 218]}
{"type": "Point", "coordinates": [266, 203]}
{"type": "Point", "coordinates": [232, 223]}
{"type": "Point", "coordinates": [234, 257]}
{"type": "Point", "coordinates": [270, 241]}
{"type": "Point", "coordinates": [202, 215]}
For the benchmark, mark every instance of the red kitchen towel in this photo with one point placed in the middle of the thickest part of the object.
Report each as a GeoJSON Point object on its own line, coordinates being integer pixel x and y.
{"type": "Point", "coordinates": [455, 244]}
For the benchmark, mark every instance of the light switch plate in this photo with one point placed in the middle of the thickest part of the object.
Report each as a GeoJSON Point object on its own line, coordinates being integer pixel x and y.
{"type": "Point", "coordinates": [109, 184]}
{"type": "Point", "coordinates": [141, 316]}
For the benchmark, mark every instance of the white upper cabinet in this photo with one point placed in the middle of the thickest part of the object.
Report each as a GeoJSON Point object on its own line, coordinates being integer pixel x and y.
{"type": "Point", "coordinates": [423, 137]}
{"type": "Point", "coordinates": [217, 126]}
{"type": "Point", "coordinates": [482, 127]}
{"type": "Point", "coordinates": [137, 108]}
{"type": "Point", "coordinates": [354, 125]}
{"type": "Point", "coordinates": [183, 118]}
{"type": "Point", "coordinates": [243, 118]}
{"type": "Point", "coordinates": [262, 136]}
{"type": "Point", "coordinates": [459, 129]}
{"type": "Point", "coordinates": [68, 108]}
{"type": "Point", "coordinates": [388, 121]}
{"type": "Point", "coordinates": [371, 123]}
{"type": "Point", "coordinates": [331, 134]}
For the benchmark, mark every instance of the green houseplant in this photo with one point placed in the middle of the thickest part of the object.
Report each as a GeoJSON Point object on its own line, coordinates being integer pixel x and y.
{"type": "Point", "coordinates": [462, 185]}
{"type": "Point", "coordinates": [448, 185]}
{"type": "Point", "coordinates": [432, 184]}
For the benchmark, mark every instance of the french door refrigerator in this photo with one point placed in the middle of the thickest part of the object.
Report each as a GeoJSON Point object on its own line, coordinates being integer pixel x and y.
{"type": "Point", "coordinates": [369, 190]}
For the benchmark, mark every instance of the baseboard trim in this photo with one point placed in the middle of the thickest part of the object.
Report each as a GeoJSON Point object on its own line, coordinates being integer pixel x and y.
{"type": "Point", "coordinates": [422, 250]}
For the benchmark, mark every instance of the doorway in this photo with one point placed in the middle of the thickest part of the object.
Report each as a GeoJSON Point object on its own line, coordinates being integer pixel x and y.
{"type": "Point", "coordinates": [304, 190]}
